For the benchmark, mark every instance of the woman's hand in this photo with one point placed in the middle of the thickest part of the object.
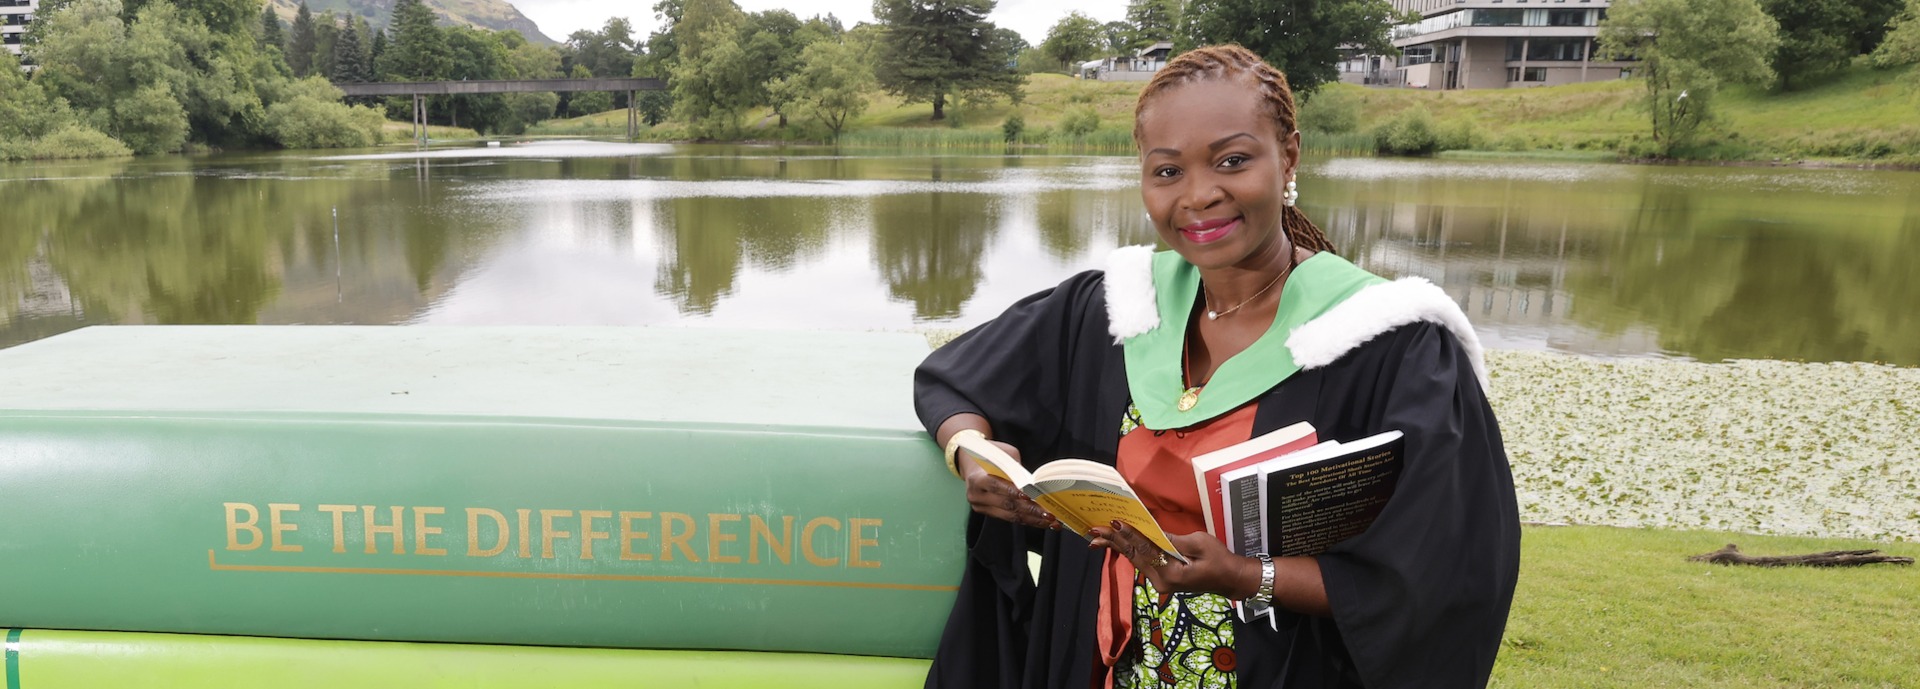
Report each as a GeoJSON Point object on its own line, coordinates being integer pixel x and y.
{"type": "Point", "coordinates": [1210, 567]}
{"type": "Point", "coordinates": [998, 498]}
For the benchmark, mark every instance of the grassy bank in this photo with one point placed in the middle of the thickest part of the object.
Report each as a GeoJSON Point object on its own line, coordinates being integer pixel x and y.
{"type": "Point", "coordinates": [400, 131]}
{"type": "Point", "coordinates": [1858, 116]}
{"type": "Point", "coordinates": [1602, 607]}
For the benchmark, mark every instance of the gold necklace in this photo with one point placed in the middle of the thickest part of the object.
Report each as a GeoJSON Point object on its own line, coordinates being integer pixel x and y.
{"type": "Point", "coordinates": [1213, 315]}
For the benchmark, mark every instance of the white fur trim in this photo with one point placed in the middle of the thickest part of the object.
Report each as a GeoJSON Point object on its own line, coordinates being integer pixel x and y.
{"type": "Point", "coordinates": [1132, 306]}
{"type": "Point", "coordinates": [1375, 310]}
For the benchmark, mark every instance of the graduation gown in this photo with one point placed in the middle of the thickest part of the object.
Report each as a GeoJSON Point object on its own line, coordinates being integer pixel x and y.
{"type": "Point", "coordinates": [1419, 600]}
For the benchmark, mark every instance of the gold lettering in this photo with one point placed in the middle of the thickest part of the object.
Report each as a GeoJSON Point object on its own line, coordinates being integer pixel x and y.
{"type": "Point", "coordinates": [715, 537]}
{"type": "Point", "coordinates": [628, 535]}
{"type": "Point", "coordinates": [853, 551]}
{"type": "Point", "coordinates": [252, 525]}
{"type": "Point", "coordinates": [806, 542]}
{"type": "Point", "coordinates": [473, 532]}
{"type": "Point", "coordinates": [587, 534]}
{"type": "Point", "coordinates": [547, 534]}
{"type": "Point", "coordinates": [757, 528]}
{"type": "Point", "coordinates": [278, 527]}
{"type": "Point", "coordinates": [421, 531]}
{"type": "Point", "coordinates": [372, 531]}
{"type": "Point", "coordinates": [339, 524]}
{"type": "Point", "coordinates": [668, 539]}
{"type": "Point", "coordinates": [526, 545]}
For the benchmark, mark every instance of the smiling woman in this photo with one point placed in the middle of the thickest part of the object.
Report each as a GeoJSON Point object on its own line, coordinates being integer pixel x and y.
{"type": "Point", "coordinates": [1249, 324]}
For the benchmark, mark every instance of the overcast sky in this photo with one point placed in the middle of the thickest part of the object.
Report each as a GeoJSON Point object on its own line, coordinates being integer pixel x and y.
{"type": "Point", "coordinates": [1031, 18]}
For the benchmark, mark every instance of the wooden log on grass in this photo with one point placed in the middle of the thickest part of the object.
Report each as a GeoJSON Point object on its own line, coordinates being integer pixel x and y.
{"type": "Point", "coordinates": [1731, 555]}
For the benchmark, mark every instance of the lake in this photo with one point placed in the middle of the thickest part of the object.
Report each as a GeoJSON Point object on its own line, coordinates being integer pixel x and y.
{"type": "Point", "coordinates": [1705, 263]}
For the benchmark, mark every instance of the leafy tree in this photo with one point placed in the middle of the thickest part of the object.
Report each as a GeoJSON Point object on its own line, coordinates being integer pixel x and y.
{"type": "Point", "coordinates": [376, 52]}
{"type": "Point", "coordinates": [271, 33]}
{"type": "Point", "coordinates": [1152, 21]}
{"type": "Point", "coordinates": [326, 43]}
{"type": "Point", "coordinates": [27, 111]}
{"type": "Point", "coordinates": [1687, 48]}
{"type": "Point", "coordinates": [1816, 37]}
{"type": "Point", "coordinates": [655, 106]}
{"type": "Point", "coordinates": [1116, 37]}
{"type": "Point", "coordinates": [933, 49]}
{"type": "Point", "coordinates": [1876, 17]}
{"type": "Point", "coordinates": [1902, 45]}
{"type": "Point", "coordinates": [1074, 38]}
{"type": "Point", "coordinates": [831, 85]}
{"type": "Point", "coordinates": [301, 44]}
{"type": "Point", "coordinates": [1302, 38]}
{"type": "Point", "coordinates": [774, 41]}
{"type": "Point", "coordinates": [590, 102]}
{"type": "Point", "coordinates": [607, 52]}
{"type": "Point", "coordinates": [700, 24]}
{"type": "Point", "coordinates": [713, 91]}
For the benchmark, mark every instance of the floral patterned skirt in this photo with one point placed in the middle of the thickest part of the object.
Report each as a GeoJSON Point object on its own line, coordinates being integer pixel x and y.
{"type": "Point", "coordinates": [1183, 640]}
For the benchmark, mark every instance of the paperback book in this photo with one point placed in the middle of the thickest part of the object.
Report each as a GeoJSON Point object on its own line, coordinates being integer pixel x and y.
{"type": "Point", "coordinates": [1080, 493]}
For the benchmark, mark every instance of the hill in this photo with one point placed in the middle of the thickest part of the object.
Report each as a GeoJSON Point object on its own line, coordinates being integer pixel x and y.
{"type": "Point", "coordinates": [496, 15]}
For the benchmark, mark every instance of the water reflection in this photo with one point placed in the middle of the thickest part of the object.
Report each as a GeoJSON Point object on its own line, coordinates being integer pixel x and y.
{"type": "Point", "coordinates": [1709, 263]}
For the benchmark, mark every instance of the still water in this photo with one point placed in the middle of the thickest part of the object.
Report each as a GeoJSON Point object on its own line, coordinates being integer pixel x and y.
{"type": "Point", "coordinates": [1607, 260]}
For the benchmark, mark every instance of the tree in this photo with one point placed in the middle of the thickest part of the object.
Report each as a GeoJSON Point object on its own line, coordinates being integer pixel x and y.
{"type": "Point", "coordinates": [326, 43]}
{"type": "Point", "coordinates": [1116, 38]}
{"type": "Point", "coordinates": [1902, 45]}
{"type": "Point", "coordinates": [1074, 38]}
{"type": "Point", "coordinates": [350, 65]}
{"type": "Point", "coordinates": [831, 85]}
{"type": "Point", "coordinates": [1816, 37]}
{"type": "Point", "coordinates": [1687, 48]}
{"type": "Point", "coordinates": [1876, 17]}
{"type": "Point", "coordinates": [1152, 21]}
{"type": "Point", "coordinates": [271, 34]}
{"type": "Point", "coordinates": [773, 41]}
{"type": "Point", "coordinates": [302, 45]}
{"type": "Point", "coordinates": [1301, 38]}
{"type": "Point", "coordinates": [933, 49]}
{"type": "Point", "coordinates": [607, 52]}
{"type": "Point", "coordinates": [418, 49]}
{"type": "Point", "coordinates": [713, 91]}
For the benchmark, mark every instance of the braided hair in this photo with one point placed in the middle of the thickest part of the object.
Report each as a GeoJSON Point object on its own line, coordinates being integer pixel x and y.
{"type": "Point", "coordinates": [1221, 62]}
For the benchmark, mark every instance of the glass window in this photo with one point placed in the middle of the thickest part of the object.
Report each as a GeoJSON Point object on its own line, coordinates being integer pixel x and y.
{"type": "Point", "coordinates": [1498, 17]}
{"type": "Point", "coordinates": [1566, 17]}
{"type": "Point", "coordinates": [1555, 49]}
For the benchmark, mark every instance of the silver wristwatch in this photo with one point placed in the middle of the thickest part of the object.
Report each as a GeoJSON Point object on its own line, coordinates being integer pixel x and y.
{"type": "Point", "coordinates": [1263, 597]}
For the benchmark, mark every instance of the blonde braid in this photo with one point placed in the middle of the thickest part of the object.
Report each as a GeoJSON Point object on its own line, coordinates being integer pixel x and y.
{"type": "Point", "coordinates": [1220, 62]}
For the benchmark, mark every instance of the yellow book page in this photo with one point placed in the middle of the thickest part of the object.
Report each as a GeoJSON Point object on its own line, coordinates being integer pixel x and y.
{"type": "Point", "coordinates": [1102, 507]}
{"type": "Point", "coordinates": [1060, 511]}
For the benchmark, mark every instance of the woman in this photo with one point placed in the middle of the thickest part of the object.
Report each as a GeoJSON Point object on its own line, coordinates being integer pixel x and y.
{"type": "Point", "coordinates": [1250, 323]}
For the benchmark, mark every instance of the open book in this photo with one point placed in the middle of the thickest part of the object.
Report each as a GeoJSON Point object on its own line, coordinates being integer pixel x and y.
{"type": "Point", "coordinates": [1080, 493]}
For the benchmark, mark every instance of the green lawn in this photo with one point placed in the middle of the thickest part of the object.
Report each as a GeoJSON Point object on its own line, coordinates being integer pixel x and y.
{"type": "Point", "coordinates": [1605, 607]}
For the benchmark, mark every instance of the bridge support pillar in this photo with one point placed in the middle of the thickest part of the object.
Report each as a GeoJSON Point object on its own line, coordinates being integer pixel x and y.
{"type": "Point", "coordinates": [633, 117]}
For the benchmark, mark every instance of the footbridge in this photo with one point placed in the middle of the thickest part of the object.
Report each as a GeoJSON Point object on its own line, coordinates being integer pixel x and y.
{"type": "Point", "coordinates": [420, 90]}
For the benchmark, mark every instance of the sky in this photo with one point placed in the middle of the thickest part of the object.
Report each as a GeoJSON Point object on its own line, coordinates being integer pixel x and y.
{"type": "Point", "coordinates": [1031, 18]}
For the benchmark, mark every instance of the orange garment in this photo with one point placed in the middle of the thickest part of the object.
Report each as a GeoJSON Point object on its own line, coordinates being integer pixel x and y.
{"type": "Point", "coordinates": [1159, 466]}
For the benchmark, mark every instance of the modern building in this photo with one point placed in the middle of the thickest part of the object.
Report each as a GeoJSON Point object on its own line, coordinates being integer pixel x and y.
{"type": "Point", "coordinates": [1139, 66]}
{"type": "Point", "coordinates": [15, 15]}
{"type": "Point", "coordinates": [1483, 44]}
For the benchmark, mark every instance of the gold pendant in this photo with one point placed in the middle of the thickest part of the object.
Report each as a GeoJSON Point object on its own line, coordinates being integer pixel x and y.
{"type": "Point", "coordinates": [1188, 399]}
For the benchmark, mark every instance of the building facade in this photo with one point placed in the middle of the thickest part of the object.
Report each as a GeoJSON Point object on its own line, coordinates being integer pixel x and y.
{"type": "Point", "coordinates": [1484, 44]}
{"type": "Point", "coordinates": [15, 15]}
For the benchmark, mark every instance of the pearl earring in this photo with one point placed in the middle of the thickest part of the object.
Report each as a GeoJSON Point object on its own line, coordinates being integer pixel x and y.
{"type": "Point", "coordinates": [1293, 194]}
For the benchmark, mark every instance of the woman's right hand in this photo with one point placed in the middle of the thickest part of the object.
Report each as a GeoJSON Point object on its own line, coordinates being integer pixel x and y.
{"type": "Point", "coordinates": [997, 497]}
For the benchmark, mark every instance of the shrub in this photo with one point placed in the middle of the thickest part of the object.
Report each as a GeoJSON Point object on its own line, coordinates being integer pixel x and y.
{"type": "Point", "coordinates": [1330, 111]}
{"type": "Point", "coordinates": [1409, 133]}
{"type": "Point", "coordinates": [70, 141]}
{"type": "Point", "coordinates": [1462, 135]}
{"type": "Point", "coordinates": [1013, 127]}
{"type": "Point", "coordinates": [150, 121]}
{"type": "Point", "coordinates": [307, 122]}
{"type": "Point", "coordinates": [1079, 122]}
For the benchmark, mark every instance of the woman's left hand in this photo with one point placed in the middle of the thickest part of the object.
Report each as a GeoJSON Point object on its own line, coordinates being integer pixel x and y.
{"type": "Point", "coordinates": [1210, 567]}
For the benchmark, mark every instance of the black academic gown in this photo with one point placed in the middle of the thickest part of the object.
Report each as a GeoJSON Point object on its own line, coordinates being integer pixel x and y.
{"type": "Point", "coordinates": [1419, 600]}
